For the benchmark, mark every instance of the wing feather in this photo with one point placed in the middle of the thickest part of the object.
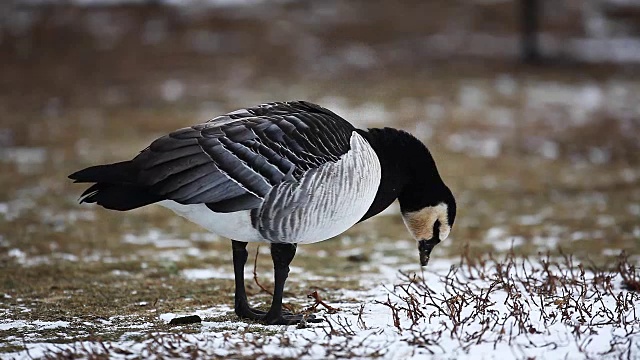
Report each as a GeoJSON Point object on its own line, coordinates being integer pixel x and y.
{"type": "Point", "coordinates": [150, 159]}
{"type": "Point", "coordinates": [155, 174]}
{"type": "Point", "coordinates": [186, 183]}
{"type": "Point", "coordinates": [233, 161]}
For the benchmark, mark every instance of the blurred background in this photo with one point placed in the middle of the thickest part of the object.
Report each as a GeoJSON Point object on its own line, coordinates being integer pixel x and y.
{"type": "Point", "coordinates": [531, 107]}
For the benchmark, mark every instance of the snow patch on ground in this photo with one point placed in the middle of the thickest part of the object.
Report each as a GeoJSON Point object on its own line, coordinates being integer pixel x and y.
{"type": "Point", "coordinates": [380, 321]}
{"type": "Point", "coordinates": [210, 273]}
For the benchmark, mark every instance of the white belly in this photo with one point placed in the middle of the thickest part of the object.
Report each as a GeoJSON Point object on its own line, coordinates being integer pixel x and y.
{"type": "Point", "coordinates": [236, 225]}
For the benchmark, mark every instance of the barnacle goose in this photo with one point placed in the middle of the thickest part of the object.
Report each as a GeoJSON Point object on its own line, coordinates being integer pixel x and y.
{"type": "Point", "coordinates": [284, 173]}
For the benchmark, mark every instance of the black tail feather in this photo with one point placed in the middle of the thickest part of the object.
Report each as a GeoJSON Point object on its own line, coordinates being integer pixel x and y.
{"type": "Point", "coordinates": [121, 172]}
{"type": "Point", "coordinates": [115, 187]}
{"type": "Point", "coordinates": [119, 197]}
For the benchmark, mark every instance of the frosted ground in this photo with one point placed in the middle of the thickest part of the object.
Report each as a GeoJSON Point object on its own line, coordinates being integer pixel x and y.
{"type": "Point", "coordinates": [535, 308]}
{"type": "Point", "coordinates": [80, 281]}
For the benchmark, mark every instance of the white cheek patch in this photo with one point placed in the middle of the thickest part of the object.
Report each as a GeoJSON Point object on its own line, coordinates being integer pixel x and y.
{"type": "Point", "coordinates": [420, 223]}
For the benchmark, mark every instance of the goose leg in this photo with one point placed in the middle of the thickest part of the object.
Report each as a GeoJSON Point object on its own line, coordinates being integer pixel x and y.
{"type": "Point", "coordinates": [241, 307]}
{"type": "Point", "coordinates": [282, 255]}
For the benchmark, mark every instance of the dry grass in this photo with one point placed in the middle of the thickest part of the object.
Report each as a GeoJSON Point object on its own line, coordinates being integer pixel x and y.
{"type": "Point", "coordinates": [492, 301]}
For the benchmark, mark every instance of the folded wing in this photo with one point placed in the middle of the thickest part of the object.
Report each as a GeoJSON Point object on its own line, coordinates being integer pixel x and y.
{"type": "Point", "coordinates": [231, 162]}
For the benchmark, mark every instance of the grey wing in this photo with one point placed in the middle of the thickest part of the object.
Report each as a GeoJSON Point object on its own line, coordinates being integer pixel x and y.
{"type": "Point", "coordinates": [232, 162]}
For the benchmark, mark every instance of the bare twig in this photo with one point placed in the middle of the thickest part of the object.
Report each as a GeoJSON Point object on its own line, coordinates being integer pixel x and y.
{"type": "Point", "coordinates": [318, 301]}
{"type": "Point", "coordinates": [255, 273]}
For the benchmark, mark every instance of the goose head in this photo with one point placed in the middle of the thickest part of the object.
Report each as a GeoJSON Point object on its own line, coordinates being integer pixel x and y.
{"type": "Point", "coordinates": [428, 213]}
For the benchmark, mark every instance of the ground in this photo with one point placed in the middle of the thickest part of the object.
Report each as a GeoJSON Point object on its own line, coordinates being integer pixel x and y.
{"type": "Point", "coordinates": [82, 280]}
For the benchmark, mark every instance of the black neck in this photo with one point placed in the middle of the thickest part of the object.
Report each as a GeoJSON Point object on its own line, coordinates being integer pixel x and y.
{"type": "Point", "coordinates": [407, 167]}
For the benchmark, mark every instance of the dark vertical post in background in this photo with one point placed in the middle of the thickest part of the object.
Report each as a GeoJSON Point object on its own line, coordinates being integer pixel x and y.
{"type": "Point", "coordinates": [529, 26]}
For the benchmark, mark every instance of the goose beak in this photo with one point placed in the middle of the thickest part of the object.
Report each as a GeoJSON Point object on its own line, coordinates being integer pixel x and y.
{"type": "Point", "coordinates": [425, 247]}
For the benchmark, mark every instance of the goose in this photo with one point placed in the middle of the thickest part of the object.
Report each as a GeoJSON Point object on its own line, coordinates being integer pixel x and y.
{"type": "Point", "coordinates": [283, 173]}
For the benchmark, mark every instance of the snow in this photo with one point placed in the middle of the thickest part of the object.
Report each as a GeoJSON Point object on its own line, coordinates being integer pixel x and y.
{"type": "Point", "coordinates": [18, 254]}
{"type": "Point", "coordinates": [43, 325]}
{"type": "Point", "coordinates": [172, 90]}
{"type": "Point", "coordinates": [211, 273]}
{"type": "Point", "coordinates": [364, 115]}
{"type": "Point", "coordinates": [50, 324]}
{"type": "Point", "coordinates": [515, 324]}
{"type": "Point", "coordinates": [500, 239]}
{"type": "Point", "coordinates": [28, 159]}
{"type": "Point", "coordinates": [157, 238]}
{"type": "Point", "coordinates": [506, 85]}
{"type": "Point", "coordinates": [472, 97]}
{"type": "Point", "coordinates": [12, 324]}
{"type": "Point", "coordinates": [360, 55]}
{"type": "Point", "coordinates": [474, 144]}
